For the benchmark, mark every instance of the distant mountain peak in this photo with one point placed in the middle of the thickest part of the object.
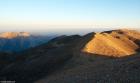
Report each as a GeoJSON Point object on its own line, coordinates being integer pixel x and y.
{"type": "Point", "coordinates": [19, 41]}
{"type": "Point", "coordinates": [10, 35]}
{"type": "Point", "coordinates": [116, 43]}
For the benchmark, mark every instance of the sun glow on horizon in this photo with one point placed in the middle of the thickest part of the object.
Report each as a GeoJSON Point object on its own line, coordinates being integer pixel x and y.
{"type": "Point", "coordinates": [48, 15]}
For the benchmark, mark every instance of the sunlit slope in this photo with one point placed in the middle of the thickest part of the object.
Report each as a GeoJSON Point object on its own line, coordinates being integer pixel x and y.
{"type": "Point", "coordinates": [131, 33]}
{"type": "Point", "coordinates": [118, 43]}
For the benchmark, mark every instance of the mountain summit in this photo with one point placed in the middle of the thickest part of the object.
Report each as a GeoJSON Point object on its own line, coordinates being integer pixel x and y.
{"type": "Point", "coordinates": [117, 43]}
{"type": "Point", "coordinates": [10, 35]}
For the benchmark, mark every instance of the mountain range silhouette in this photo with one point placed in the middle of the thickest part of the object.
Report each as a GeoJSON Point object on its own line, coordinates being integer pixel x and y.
{"type": "Point", "coordinates": [105, 57]}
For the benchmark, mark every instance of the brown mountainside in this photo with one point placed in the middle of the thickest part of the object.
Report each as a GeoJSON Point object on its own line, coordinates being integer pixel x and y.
{"type": "Point", "coordinates": [117, 43]}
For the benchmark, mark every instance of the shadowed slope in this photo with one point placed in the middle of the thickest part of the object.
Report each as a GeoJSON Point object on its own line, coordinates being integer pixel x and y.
{"type": "Point", "coordinates": [105, 70]}
{"type": "Point", "coordinates": [40, 61]}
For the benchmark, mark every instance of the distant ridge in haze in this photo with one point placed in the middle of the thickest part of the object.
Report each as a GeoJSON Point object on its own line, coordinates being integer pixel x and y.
{"type": "Point", "coordinates": [19, 41]}
{"type": "Point", "coordinates": [10, 35]}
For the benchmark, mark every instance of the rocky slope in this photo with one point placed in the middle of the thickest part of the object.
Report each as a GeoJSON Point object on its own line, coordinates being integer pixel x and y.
{"type": "Point", "coordinates": [63, 60]}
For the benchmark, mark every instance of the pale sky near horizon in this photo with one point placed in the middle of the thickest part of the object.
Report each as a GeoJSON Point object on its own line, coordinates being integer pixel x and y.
{"type": "Point", "coordinates": [61, 15]}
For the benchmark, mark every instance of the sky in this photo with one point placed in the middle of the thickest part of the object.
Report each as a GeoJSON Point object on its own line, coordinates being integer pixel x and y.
{"type": "Point", "coordinates": [68, 15]}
